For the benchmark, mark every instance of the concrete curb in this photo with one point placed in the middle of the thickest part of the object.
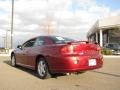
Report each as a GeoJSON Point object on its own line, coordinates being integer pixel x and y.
{"type": "Point", "coordinates": [8, 54]}
{"type": "Point", "coordinates": [111, 56]}
{"type": "Point", "coordinates": [4, 55]}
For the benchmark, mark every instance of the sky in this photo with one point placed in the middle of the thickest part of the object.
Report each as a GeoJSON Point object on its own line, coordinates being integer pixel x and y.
{"type": "Point", "coordinates": [70, 18]}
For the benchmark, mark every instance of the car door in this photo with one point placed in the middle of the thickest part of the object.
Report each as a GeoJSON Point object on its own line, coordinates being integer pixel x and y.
{"type": "Point", "coordinates": [22, 54]}
{"type": "Point", "coordinates": [34, 51]}
{"type": "Point", "coordinates": [19, 53]}
{"type": "Point", "coordinates": [27, 50]}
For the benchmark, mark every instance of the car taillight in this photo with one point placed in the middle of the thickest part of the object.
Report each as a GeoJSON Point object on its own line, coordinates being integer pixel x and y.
{"type": "Point", "coordinates": [68, 49]}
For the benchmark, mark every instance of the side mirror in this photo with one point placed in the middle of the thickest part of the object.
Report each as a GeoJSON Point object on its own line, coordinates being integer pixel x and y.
{"type": "Point", "coordinates": [19, 46]}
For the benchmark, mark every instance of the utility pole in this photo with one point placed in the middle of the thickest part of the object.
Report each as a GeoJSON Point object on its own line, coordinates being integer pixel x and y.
{"type": "Point", "coordinates": [12, 22]}
{"type": "Point", "coordinates": [49, 25]}
{"type": "Point", "coordinates": [4, 42]}
{"type": "Point", "coordinates": [7, 46]}
{"type": "Point", "coordinates": [6, 39]}
{"type": "Point", "coordinates": [49, 20]}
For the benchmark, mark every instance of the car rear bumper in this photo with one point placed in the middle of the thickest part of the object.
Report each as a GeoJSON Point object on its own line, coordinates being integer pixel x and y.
{"type": "Point", "coordinates": [73, 64]}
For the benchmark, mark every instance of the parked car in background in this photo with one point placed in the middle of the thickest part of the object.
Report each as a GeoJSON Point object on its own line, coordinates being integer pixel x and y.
{"type": "Point", "coordinates": [55, 54]}
{"type": "Point", "coordinates": [114, 47]}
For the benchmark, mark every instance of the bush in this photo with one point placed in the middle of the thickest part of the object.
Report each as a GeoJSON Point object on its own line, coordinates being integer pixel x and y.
{"type": "Point", "coordinates": [107, 52]}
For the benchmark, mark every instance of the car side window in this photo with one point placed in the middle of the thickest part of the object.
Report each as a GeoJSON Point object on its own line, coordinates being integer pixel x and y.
{"type": "Point", "coordinates": [110, 45]}
{"type": "Point", "coordinates": [29, 43]}
{"type": "Point", "coordinates": [40, 41]}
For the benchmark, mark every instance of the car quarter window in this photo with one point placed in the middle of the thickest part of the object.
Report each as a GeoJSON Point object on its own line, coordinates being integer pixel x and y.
{"type": "Point", "coordinates": [29, 43]}
{"type": "Point", "coordinates": [40, 41]}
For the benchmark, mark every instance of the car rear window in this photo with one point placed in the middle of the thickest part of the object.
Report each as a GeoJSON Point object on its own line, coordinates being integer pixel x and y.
{"type": "Point", "coordinates": [61, 40]}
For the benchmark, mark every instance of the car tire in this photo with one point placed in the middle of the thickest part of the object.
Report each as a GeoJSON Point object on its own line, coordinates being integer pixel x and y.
{"type": "Point", "coordinates": [42, 69]}
{"type": "Point", "coordinates": [13, 61]}
{"type": "Point", "coordinates": [81, 72]}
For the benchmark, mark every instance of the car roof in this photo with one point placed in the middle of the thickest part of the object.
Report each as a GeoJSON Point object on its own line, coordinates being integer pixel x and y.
{"type": "Point", "coordinates": [49, 36]}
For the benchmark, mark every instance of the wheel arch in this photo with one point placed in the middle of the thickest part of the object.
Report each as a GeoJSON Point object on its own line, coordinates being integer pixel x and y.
{"type": "Point", "coordinates": [37, 59]}
{"type": "Point", "coordinates": [12, 53]}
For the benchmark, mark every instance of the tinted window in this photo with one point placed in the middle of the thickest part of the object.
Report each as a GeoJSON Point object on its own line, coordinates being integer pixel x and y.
{"type": "Point", "coordinates": [40, 41]}
{"type": "Point", "coordinates": [29, 43]}
{"type": "Point", "coordinates": [110, 45]}
{"type": "Point", "coordinates": [60, 40]}
{"type": "Point", "coordinates": [113, 45]}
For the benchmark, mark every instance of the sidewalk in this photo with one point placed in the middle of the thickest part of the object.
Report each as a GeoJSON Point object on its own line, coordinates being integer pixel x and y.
{"type": "Point", "coordinates": [4, 55]}
{"type": "Point", "coordinates": [8, 54]}
{"type": "Point", "coordinates": [111, 56]}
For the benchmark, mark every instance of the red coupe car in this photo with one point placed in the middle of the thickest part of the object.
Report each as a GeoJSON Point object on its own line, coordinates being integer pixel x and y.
{"type": "Point", "coordinates": [55, 54]}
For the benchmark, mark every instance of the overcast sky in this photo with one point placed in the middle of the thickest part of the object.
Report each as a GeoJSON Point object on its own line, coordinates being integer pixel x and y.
{"type": "Point", "coordinates": [70, 18]}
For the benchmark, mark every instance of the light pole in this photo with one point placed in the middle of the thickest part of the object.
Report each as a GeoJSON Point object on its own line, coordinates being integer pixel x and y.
{"type": "Point", "coordinates": [12, 19]}
{"type": "Point", "coordinates": [7, 46]}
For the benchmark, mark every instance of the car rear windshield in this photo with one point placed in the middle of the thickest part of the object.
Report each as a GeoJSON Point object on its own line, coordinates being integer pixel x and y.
{"type": "Point", "coordinates": [61, 40]}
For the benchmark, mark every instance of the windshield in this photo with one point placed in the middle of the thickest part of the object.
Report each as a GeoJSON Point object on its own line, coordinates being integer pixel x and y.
{"type": "Point", "coordinates": [114, 45]}
{"type": "Point", "coordinates": [61, 40]}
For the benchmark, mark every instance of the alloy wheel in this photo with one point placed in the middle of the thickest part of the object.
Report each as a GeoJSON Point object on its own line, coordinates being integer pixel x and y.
{"type": "Point", "coordinates": [42, 69]}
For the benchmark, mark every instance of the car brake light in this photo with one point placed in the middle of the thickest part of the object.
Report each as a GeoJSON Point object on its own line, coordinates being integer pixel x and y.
{"type": "Point", "coordinates": [68, 49]}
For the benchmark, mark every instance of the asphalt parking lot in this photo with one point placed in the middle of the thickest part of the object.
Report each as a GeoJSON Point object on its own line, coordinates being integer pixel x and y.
{"type": "Point", "coordinates": [106, 78]}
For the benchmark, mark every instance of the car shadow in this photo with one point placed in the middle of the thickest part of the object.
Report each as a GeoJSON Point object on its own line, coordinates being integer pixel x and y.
{"type": "Point", "coordinates": [115, 75]}
{"type": "Point", "coordinates": [32, 72]}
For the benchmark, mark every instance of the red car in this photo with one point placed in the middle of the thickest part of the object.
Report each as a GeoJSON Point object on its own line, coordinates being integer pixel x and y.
{"type": "Point", "coordinates": [55, 54]}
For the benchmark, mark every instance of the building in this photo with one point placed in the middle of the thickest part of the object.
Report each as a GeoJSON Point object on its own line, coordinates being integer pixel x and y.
{"type": "Point", "coordinates": [106, 30]}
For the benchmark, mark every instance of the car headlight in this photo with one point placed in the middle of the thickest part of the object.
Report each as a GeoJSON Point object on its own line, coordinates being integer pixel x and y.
{"type": "Point", "coordinates": [112, 50]}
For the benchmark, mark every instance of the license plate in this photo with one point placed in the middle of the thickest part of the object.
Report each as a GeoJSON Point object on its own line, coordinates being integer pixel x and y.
{"type": "Point", "coordinates": [92, 62]}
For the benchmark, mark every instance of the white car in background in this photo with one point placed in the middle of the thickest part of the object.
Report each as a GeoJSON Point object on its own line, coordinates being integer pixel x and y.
{"type": "Point", "coordinates": [115, 47]}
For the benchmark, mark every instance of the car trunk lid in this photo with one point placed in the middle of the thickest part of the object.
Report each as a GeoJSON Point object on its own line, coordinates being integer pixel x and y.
{"type": "Point", "coordinates": [81, 48]}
